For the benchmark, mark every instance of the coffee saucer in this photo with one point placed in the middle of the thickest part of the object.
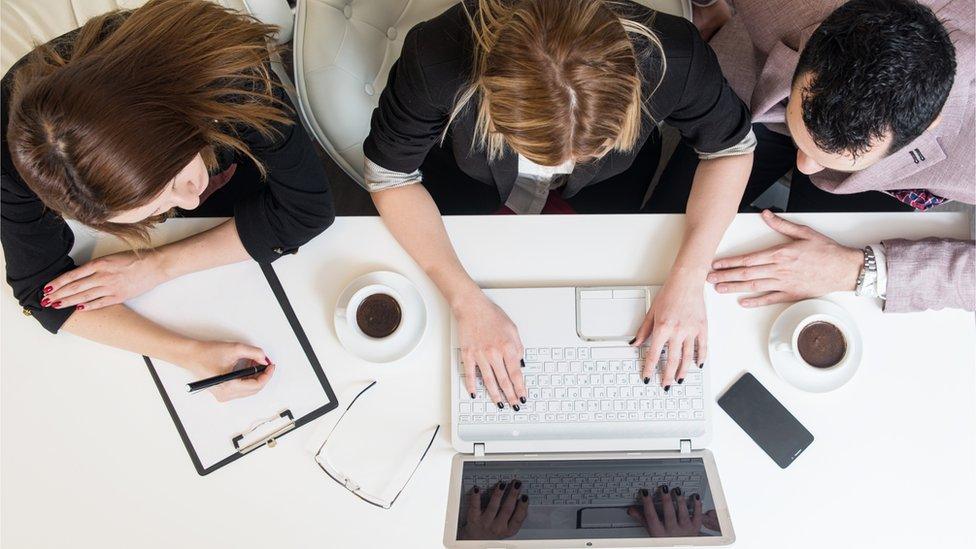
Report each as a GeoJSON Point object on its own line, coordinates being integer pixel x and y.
{"type": "Point", "coordinates": [407, 336]}
{"type": "Point", "coordinates": [797, 373]}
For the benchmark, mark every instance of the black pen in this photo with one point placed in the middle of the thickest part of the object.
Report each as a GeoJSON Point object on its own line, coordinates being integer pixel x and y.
{"type": "Point", "coordinates": [229, 376]}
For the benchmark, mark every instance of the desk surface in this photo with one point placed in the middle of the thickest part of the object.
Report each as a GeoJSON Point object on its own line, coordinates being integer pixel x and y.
{"type": "Point", "coordinates": [90, 458]}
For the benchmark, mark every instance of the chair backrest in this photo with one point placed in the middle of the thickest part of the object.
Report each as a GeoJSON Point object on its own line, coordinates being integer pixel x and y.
{"type": "Point", "coordinates": [343, 51]}
{"type": "Point", "coordinates": [27, 23]}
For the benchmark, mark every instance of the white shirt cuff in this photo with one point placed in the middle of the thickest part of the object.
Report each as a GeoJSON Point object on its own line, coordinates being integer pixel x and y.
{"type": "Point", "coordinates": [882, 264]}
{"type": "Point", "coordinates": [747, 145]}
{"type": "Point", "coordinates": [379, 178]}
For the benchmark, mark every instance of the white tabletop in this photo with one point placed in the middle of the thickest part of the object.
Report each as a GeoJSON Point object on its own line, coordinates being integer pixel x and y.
{"type": "Point", "coordinates": [90, 457]}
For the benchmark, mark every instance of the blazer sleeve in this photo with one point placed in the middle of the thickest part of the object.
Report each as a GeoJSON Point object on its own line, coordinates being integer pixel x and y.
{"type": "Point", "coordinates": [930, 274]}
{"type": "Point", "coordinates": [708, 114]}
{"type": "Point", "coordinates": [408, 121]}
{"type": "Point", "coordinates": [296, 203]}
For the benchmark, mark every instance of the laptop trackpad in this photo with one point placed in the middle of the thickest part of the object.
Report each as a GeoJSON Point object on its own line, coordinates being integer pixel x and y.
{"type": "Point", "coordinates": [611, 314]}
{"type": "Point", "coordinates": [606, 517]}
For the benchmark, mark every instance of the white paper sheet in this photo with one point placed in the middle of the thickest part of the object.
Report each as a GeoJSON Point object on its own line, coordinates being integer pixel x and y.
{"type": "Point", "coordinates": [232, 303]}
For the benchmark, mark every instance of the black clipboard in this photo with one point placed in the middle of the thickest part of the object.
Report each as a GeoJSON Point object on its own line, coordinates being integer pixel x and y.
{"type": "Point", "coordinates": [294, 423]}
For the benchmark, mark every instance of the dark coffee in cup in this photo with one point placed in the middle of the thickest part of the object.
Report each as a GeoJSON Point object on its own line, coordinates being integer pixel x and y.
{"type": "Point", "coordinates": [378, 315]}
{"type": "Point", "coordinates": [821, 344]}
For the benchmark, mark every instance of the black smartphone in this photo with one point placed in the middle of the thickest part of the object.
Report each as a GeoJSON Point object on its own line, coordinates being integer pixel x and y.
{"type": "Point", "coordinates": [765, 420]}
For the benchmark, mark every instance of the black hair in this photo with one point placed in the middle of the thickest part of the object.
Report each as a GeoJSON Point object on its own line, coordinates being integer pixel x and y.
{"type": "Point", "coordinates": [876, 66]}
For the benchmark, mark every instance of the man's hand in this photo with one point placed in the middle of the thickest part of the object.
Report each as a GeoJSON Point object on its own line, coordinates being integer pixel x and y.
{"type": "Point", "coordinates": [709, 20]}
{"type": "Point", "coordinates": [810, 266]}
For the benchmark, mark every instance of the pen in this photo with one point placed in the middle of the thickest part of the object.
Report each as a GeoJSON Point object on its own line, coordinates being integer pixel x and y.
{"type": "Point", "coordinates": [229, 376]}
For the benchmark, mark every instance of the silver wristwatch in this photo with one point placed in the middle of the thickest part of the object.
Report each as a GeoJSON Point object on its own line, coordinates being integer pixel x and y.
{"type": "Point", "coordinates": [867, 279]}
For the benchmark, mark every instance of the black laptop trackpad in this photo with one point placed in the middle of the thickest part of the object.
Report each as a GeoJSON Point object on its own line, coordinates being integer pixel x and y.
{"type": "Point", "coordinates": [765, 420]}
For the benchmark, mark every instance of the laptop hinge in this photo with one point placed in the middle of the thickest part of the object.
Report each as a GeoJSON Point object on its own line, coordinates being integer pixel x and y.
{"type": "Point", "coordinates": [479, 449]}
{"type": "Point", "coordinates": [685, 446]}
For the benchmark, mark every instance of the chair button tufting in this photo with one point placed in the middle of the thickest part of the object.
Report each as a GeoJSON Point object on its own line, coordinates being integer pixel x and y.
{"type": "Point", "coordinates": [391, 33]}
{"type": "Point", "coordinates": [347, 11]}
{"type": "Point", "coordinates": [369, 89]}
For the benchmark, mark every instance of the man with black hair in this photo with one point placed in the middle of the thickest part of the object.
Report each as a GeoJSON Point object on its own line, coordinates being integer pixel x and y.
{"type": "Point", "coordinates": [871, 104]}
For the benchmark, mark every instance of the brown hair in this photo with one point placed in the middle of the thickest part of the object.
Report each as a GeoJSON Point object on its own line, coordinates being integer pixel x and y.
{"type": "Point", "coordinates": [104, 129]}
{"type": "Point", "coordinates": [555, 79]}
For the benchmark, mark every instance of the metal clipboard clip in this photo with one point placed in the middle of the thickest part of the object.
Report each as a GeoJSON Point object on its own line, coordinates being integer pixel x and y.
{"type": "Point", "coordinates": [269, 438]}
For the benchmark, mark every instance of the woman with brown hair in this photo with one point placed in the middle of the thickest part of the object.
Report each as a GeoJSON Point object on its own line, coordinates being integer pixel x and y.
{"type": "Point", "coordinates": [136, 116]}
{"type": "Point", "coordinates": [539, 106]}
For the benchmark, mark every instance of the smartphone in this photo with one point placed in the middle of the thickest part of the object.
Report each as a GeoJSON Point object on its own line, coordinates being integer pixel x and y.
{"type": "Point", "coordinates": [767, 422]}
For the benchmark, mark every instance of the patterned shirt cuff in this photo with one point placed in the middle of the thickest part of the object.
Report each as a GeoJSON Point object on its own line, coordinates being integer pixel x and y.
{"type": "Point", "coordinates": [746, 146]}
{"type": "Point", "coordinates": [379, 178]}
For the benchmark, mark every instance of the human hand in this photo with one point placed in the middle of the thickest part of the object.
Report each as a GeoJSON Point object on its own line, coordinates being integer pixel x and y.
{"type": "Point", "coordinates": [212, 358]}
{"type": "Point", "coordinates": [712, 18]}
{"type": "Point", "coordinates": [105, 281]}
{"type": "Point", "coordinates": [811, 265]}
{"type": "Point", "coordinates": [490, 342]}
{"type": "Point", "coordinates": [501, 518]}
{"type": "Point", "coordinates": [670, 523]}
{"type": "Point", "coordinates": [676, 319]}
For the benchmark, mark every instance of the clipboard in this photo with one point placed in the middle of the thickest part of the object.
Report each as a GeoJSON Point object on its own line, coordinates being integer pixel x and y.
{"type": "Point", "coordinates": [209, 429]}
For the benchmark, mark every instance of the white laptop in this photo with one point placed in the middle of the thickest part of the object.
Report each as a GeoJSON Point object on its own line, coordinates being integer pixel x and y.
{"type": "Point", "coordinates": [589, 438]}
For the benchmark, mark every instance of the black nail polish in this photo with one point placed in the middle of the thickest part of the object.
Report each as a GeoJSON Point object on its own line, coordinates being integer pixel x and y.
{"type": "Point", "coordinates": [472, 395]}
{"type": "Point", "coordinates": [667, 388]}
{"type": "Point", "coordinates": [515, 407]}
{"type": "Point", "coordinates": [525, 498]}
{"type": "Point", "coordinates": [696, 496]}
{"type": "Point", "coordinates": [500, 405]}
{"type": "Point", "coordinates": [631, 342]}
{"type": "Point", "coordinates": [647, 380]}
{"type": "Point", "coordinates": [644, 492]}
{"type": "Point", "coordinates": [522, 362]}
{"type": "Point", "coordinates": [522, 400]}
{"type": "Point", "coordinates": [664, 488]}
{"type": "Point", "coordinates": [476, 489]}
{"type": "Point", "coordinates": [517, 484]}
{"type": "Point", "coordinates": [501, 485]}
{"type": "Point", "coordinates": [702, 365]}
{"type": "Point", "coordinates": [681, 380]}
{"type": "Point", "coordinates": [677, 491]}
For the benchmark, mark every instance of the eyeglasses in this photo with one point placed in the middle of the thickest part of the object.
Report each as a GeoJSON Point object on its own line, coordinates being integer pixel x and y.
{"type": "Point", "coordinates": [322, 459]}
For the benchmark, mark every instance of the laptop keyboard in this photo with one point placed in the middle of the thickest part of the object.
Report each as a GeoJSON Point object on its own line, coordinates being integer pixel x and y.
{"type": "Point", "coordinates": [580, 487]}
{"type": "Point", "coordinates": [584, 385]}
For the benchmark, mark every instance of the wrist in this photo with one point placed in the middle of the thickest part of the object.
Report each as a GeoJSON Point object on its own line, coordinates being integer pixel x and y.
{"type": "Point", "coordinates": [164, 263]}
{"type": "Point", "coordinates": [182, 351]}
{"type": "Point", "coordinates": [851, 269]}
{"type": "Point", "coordinates": [462, 296]}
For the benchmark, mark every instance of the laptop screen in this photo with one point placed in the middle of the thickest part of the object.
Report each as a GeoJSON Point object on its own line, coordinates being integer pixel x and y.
{"type": "Point", "coordinates": [585, 499]}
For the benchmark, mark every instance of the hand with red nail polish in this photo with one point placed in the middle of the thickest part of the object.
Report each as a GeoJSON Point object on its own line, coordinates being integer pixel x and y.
{"type": "Point", "coordinates": [106, 281]}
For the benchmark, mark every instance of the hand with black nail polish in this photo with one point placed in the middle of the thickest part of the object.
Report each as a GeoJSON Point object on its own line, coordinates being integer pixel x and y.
{"type": "Point", "coordinates": [500, 517]}
{"type": "Point", "coordinates": [669, 517]}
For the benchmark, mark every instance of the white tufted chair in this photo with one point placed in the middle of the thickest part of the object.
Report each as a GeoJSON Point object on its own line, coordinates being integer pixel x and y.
{"type": "Point", "coordinates": [343, 52]}
{"type": "Point", "coordinates": [27, 23]}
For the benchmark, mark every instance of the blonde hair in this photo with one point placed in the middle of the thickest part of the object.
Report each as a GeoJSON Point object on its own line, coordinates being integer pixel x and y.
{"type": "Point", "coordinates": [555, 79]}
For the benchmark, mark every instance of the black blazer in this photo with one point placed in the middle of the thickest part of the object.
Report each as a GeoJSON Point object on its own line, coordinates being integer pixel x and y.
{"type": "Point", "coordinates": [293, 205]}
{"type": "Point", "coordinates": [437, 59]}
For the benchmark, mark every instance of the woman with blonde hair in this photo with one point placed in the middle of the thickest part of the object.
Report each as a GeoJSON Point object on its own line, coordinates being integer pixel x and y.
{"type": "Point", "coordinates": [136, 116]}
{"type": "Point", "coordinates": [538, 106]}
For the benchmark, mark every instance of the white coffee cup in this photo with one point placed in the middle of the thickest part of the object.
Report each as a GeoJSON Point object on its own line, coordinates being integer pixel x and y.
{"type": "Point", "coordinates": [793, 346]}
{"type": "Point", "coordinates": [349, 311]}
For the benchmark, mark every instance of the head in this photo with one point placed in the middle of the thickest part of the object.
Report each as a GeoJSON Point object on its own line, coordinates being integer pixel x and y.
{"type": "Point", "coordinates": [555, 80]}
{"type": "Point", "coordinates": [124, 129]}
{"type": "Point", "coordinates": [872, 78]}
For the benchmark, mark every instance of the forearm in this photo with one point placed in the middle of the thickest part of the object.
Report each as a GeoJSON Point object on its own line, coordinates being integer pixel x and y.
{"type": "Point", "coordinates": [215, 247]}
{"type": "Point", "coordinates": [120, 327]}
{"type": "Point", "coordinates": [930, 274]}
{"type": "Point", "coordinates": [414, 220]}
{"type": "Point", "coordinates": [715, 194]}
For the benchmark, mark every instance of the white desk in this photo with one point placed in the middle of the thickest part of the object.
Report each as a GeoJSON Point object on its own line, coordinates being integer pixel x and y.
{"type": "Point", "coordinates": [90, 458]}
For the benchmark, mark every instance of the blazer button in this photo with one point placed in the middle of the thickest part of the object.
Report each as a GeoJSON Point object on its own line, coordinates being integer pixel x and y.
{"type": "Point", "coordinates": [27, 312]}
{"type": "Point", "coordinates": [278, 251]}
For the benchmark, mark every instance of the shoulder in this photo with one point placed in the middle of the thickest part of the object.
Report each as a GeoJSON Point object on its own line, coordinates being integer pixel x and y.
{"type": "Point", "coordinates": [441, 50]}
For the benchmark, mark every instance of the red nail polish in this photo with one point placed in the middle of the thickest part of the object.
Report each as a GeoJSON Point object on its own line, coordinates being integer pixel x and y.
{"type": "Point", "coordinates": [48, 289]}
{"type": "Point", "coordinates": [56, 304]}
{"type": "Point", "coordinates": [45, 302]}
{"type": "Point", "coordinates": [80, 307]}
{"type": "Point", "coordinates": [267, 361]}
